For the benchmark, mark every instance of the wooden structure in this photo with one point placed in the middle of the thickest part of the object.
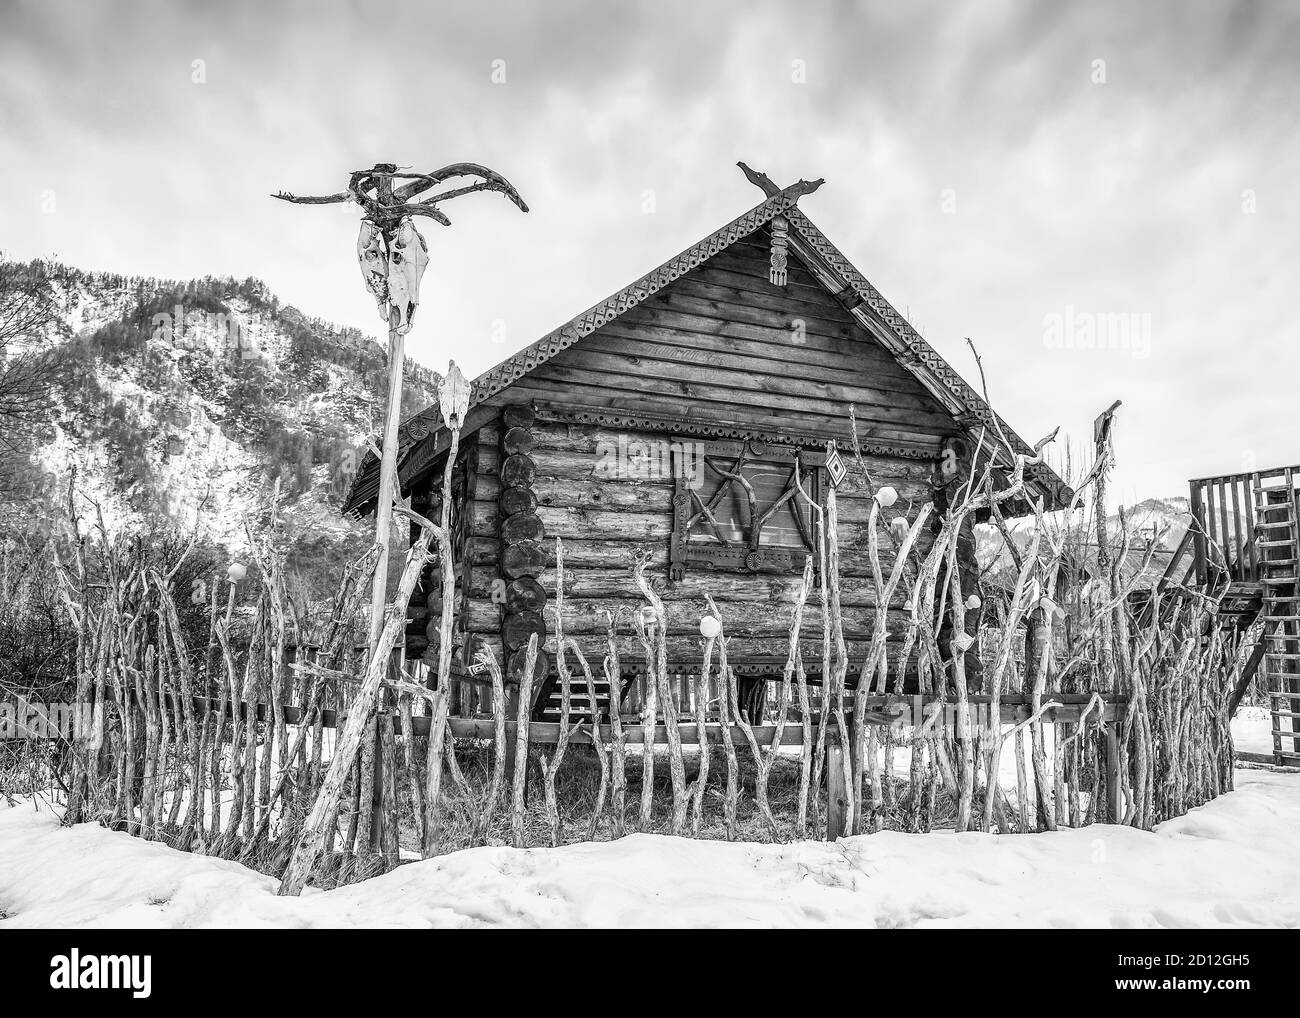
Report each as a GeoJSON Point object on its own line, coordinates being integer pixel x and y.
{"type": "Point", "coordinates": [1243, 536]}
{"type": "Point", "coordinates": [677, 419]}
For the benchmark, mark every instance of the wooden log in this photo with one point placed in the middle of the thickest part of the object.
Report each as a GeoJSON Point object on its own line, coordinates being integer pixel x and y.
{"type": "Point", "coordinates": [516, 500]}
{"type": "Point", "coordinates": [517, 471]}
{"type": "Point", "coordinates": [754, 621]}
{"type": "Point", "coordinates": [610, 666]}
{"type": "Point", "coordinates": [517, 442]}
{"type": "Point", "coordinates": [837, 810]}
{"type": "Point", "coordinates": [576, 446]}
{"type": "Point", "coordinates": [519, 626]}
{"type": "Point", "coordinates": [515, 668]}
{"type": "Point", "coordinates": [525, 595]}
{"type": "Point", "coordinates": [757, 356]}
{"type": "Point", "coordinates": [616, 555]}
{"type": "Point", "coordinates": [386, 786]}
{"type": "Point", "coordinates": [521, 528]}
{"type": "Point", "coordinates": [525, 559]}
{"type": "Point", "coordinates": [724, 382]}
{"type": "Point", "coordinates": [499, 741]}
{"type": "Point", "coordinates": [520, 772]}
{"type": "Point", "coordinates": [518, 415]}
{"type": "Point", "coordinates": [594, 584]}
{"type": "Point", "coordinates": [747, 411]}
{"type": "Point", "coordinates": [1115, 804]}
{"type": "Point", "coordinates": [551, 768]}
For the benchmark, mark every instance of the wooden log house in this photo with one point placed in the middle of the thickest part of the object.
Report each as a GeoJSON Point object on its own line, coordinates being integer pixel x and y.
{"type": "Point", "coordinates": [671, 420]}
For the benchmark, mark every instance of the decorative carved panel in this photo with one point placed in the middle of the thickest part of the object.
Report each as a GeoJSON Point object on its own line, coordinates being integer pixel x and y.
{"type": "Point", "coordinates": [736, 506]}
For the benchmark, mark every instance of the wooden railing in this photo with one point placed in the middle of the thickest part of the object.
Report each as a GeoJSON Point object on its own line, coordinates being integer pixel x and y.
{"type": "Point", "coordinates": [1224, 511]}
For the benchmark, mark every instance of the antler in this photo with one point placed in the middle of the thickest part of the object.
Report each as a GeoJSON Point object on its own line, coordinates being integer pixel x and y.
{"type": "Point", "coordinates": [384, 204]}
{"type": "Point", "coordinates": [329, 199]}
{"type": "Point", "coordinates": [492, 181]}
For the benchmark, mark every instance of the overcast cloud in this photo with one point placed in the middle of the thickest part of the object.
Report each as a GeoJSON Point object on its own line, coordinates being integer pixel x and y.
{"type": "Point", "coordinates": [978, 171]}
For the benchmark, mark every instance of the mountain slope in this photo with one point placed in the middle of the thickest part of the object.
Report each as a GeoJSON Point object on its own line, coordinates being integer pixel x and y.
{"type": "Point", "coordinates": [190, 402]}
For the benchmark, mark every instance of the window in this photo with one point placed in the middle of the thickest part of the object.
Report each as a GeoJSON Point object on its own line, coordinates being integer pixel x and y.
{"type": "Point", "coordinates": [736, 507]}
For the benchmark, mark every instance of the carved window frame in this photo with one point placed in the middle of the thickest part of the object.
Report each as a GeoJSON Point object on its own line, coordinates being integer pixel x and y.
{"type": "Point", "coordinates": [747, 555]}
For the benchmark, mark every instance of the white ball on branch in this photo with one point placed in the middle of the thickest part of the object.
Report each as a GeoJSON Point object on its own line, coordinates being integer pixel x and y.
{"type": "Point", "coordinates": [886, 496]}
{"type": "Point", "coordinates": [236, 572]}
{"type": "Point", "coordinates": [710, 627]}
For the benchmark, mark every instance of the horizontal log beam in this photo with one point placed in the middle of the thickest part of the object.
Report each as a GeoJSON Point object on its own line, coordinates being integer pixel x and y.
{"type": "Point", "coordinates": [880, 709]}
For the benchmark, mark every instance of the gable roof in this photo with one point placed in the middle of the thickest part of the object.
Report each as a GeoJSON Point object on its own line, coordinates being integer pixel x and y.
{"type": "Point", "coordinates": [831, 268]}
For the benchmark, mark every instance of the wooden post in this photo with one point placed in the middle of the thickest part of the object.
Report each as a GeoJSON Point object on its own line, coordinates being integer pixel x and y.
{"type": "Point", "coordinates": [1114, 787]}
{"type": "Point", "coordinates": [837, 788]}
{"type": "Point", "coordinates": [387, 478]}
{"type": "Point", "coordinates": [386, 789]}
{"type": "Point", "coordinates": [511, 697]}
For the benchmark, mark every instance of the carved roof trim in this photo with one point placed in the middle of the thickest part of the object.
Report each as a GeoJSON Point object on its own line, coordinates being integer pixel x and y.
{"type": "Point", "coordinates": [923, 360]}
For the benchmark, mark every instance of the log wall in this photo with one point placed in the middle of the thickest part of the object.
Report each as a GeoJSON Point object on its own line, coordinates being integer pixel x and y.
{"type": "Point", "coordinates": [605, 522]}
{"type": "Point", "coordinates": [721, 353]}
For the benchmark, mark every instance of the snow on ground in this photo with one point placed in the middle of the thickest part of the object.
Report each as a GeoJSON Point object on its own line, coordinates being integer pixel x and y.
{"type": "Point", "coordinates": [1252, 730]}
{"type": "Point", "coordinates": [1234, 862]}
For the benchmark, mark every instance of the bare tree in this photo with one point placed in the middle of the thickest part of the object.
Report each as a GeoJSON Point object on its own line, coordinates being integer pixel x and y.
{"type": "Point", "coordinates": [31, 314]}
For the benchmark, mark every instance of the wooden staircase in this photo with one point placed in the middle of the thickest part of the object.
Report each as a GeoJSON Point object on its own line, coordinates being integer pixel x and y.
{"type": "Point", "coordinates": [1278, 541]}
{"type": "Point", "coordinates": [550, 696]}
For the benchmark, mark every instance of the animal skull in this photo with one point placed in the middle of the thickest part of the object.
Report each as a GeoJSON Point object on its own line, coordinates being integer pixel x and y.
{"type": "Point", "coordinates": [374, 264]}
{"type": "Point", "coordinates": [407, 257]}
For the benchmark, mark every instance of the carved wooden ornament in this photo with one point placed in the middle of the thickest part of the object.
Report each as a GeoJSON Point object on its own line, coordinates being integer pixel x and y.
{"type": "Point", "coordinates": [780, 250]}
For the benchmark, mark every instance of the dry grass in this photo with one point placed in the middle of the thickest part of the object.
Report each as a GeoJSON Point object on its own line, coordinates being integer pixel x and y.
{"type": "Point", "coordinates": [577, 784]}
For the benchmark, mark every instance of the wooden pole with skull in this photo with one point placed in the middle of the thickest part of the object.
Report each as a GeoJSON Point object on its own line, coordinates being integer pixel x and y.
{"type": "Point", "coordinates": [393, 257]}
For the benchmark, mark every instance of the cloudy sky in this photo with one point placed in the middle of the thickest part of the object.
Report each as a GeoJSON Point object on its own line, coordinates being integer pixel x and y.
{"type": "Point", "coordinates": [1004, 171]}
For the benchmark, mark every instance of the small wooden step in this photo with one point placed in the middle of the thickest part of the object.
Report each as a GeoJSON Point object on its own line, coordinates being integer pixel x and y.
{"type": "Point", "coordinates": [1270, 506]}
{"type": "Point", "coordinates": [1274, 544]}
{"type": "Point", "coordinates": [1277, 524]}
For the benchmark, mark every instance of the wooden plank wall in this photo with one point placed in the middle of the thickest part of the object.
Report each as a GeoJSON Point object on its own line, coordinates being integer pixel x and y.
{"type": "Point", "coordinates": [723, 343]}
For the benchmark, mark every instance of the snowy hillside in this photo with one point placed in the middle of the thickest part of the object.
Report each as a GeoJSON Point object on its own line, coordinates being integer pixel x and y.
{"type": "Point", "coordinates": [1164, 520]}
{"type": "Point", "coordinates": [188, 401]}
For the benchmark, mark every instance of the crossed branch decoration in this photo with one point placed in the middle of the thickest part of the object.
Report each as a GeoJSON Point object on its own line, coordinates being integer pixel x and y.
{"type": "Point", "coordinates": [385, 204]}
{"type": "Point", "coordinates": [391, 251]}
{"type": "Point", "coordinates": [757, 520]}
